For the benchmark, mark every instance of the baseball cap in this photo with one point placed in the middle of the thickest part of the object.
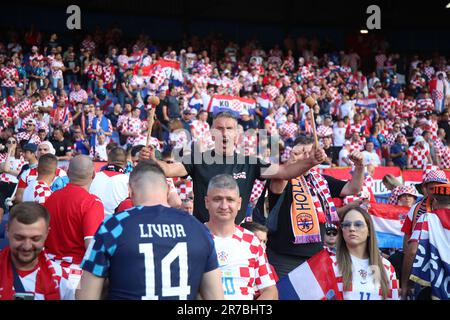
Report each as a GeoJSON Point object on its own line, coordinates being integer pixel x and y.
{"type": "Point", "coordinates": [330, 227]}
{"type": "Point", "coordinates": [30, 147]}
{"type": "Point", "coordinates": [442, 190]}
{"type": "Point", "coordinates": [31, 121]}
{"type": "Point", "coordinates": [419, 139]}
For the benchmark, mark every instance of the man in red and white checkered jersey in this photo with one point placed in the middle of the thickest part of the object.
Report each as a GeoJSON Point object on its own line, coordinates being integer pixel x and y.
{"type": "Point", "coordinates": [134, 128]}
{"type": "Point", "coordinates": [289, 129]}
{"type": "Point", "coordinates": [417, 155]}
{"type": "Point", "coordinates": [385, 103]}
{"type": "Point", "coordinates": [78, 95]}
{"type": "Point", "coordinates": [442, 150]}
{"type": "Point", "coordinates": [242, 257]}
{"type": "Point", "coordinates": [6, 116]}
{"type": "Point", "coordinates": [426, 104]}
{"type": "Point", "coordinates": [30, 134]}
{"type": "Point", "coordinates": [270, 124]}
{"type": "Point", "coordinates": [9, 76]}
{"type": "Point", "coordinates": [39, 190]}
{"type": "Point", "coordinates": [25, 110]}
{"type": "Point", "coordinates": [200, 129]}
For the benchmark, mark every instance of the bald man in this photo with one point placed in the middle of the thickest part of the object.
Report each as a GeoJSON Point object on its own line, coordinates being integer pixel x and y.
{"type": "Point", "coordinates": [76, 215]}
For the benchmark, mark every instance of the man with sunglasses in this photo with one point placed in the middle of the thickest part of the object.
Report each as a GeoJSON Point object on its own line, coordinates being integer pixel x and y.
{"type": "Point", "coordinates": [330, 235]}
{"type": "Point", "coordinates": [29, 135]}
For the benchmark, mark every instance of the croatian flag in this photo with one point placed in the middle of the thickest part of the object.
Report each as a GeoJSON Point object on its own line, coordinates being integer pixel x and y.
{"type": "Point", "coordinates": [162, 70]}
{"type": "Point", "coordinates": [366, 103]}
{"type": "Point", "coordinates": [248, 104]}
{"type": "Point", "coordinates": [225, 103]}
{"type": "Point", "coordinates": [431, 267]}
{"type": "Point", "coordinates": [265, 105]}
{"type": "Point", "coordinates": [313, 280]}
{"type": "Point", "coordinates": [388, 221]}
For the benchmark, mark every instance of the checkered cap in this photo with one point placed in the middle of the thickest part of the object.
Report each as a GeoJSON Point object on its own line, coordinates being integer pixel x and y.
{"type": "Point", "coordinates": [408, 190]}
{"type": "Point", "coordinates": [434, 174]}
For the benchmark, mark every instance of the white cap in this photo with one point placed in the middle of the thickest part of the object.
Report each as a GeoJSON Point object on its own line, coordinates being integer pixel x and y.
{"type": "Point", "coordinates": [419, 139]}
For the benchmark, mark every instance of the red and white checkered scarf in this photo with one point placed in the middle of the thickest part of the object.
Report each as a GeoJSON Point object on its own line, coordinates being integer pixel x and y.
{"type": "Point", "coordinates": [319, 187]}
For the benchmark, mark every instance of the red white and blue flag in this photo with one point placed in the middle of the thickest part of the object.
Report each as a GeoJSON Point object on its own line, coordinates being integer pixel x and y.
{"type": "Point", "coordinates": [234, 105]}
{"type": "Point", "coordinates": [431, 267]}
{"type": "Point", "coordinates": [366, 103]}
{"type": "Point", "coordinates": [162, 70]}
{"type": "Point", "coordinates": [315, 279]}
{"type": "Point", "coordinates": [388, 221]}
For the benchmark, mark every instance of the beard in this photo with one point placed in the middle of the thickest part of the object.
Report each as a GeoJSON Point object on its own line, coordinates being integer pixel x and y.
{"type": "Point", "coordinates": [25, 257]}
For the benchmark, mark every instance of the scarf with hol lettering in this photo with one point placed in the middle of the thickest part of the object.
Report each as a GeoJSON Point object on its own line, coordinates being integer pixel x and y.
{"type": "Point", "coordinates": [47, 281]}
{"type": "Point", "coordinates": [310, 197]}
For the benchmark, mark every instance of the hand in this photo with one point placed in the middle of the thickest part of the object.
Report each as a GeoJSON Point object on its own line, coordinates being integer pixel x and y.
{"type": "Point", "coordinates": [357, 158]}
{"type": "Point", "coordinates": [317, 155]}
{"type": "Point", "coordinates": [147, 153]}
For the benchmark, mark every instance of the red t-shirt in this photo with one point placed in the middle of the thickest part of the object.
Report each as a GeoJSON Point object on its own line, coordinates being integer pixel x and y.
{"type": "Point", "coordinates": [75, 216]}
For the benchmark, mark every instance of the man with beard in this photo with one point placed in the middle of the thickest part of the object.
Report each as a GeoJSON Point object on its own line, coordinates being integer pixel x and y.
{"type": "Point", "coordinates": [26, 272]}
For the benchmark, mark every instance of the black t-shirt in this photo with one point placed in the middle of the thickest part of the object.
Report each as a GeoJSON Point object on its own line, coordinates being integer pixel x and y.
{"type": "Point", "coordinates": [282, 241]}
{"type": "Point", "coordinates": [245, 171]}
{"type": "Point", "coordinates": [61, 147]}
{"type": "Point", "coordinates": [332, 154]}
{"type": "Point", "coordinates": [173, 107]}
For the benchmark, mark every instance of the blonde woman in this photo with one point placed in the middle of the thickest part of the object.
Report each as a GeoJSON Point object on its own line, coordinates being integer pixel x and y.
{"type": "Point", "coordinates": [362, 273]}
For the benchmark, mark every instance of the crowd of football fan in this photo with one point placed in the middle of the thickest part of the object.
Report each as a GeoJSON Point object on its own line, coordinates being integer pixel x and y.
{"type": "Point", "coordinates": [89, 98]}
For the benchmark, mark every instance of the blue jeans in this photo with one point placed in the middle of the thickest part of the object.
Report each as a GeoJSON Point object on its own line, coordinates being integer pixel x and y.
{"type": "Point", "coordinates": [7, 91]}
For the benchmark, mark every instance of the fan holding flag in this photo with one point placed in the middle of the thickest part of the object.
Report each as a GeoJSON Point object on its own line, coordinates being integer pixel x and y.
{"type": "Point", "coordinates": [356, 272]}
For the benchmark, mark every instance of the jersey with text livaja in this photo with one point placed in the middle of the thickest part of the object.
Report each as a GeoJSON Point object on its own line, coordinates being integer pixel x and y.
{"type": "Point", "coordinates": [151, 253]}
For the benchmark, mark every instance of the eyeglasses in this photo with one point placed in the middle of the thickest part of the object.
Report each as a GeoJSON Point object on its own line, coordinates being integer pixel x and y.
{"type": "Point", "coordinates": [11, 141]}
{"type": "Point", "coordinates": [29, 124]}
{"type": "Point", "coordinates": [332, 233]}
{"type": "Point", "coordinates": [358, 224]}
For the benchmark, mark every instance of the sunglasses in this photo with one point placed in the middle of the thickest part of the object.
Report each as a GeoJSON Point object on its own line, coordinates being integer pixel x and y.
{"type": "Point", "coordinates": [332, 233]}
{"type": "Point", "coordinates": [359, 225]}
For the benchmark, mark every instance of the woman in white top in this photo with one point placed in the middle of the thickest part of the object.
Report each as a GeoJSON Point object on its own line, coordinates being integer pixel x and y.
{"type": "Point", "coordinates": [365, 274]}
{"type": "Point", "coordinates": [10, 165]}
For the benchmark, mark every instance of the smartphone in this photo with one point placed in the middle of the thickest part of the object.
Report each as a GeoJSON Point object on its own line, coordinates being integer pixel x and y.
{"type": "Point", "coordinates": [24, 296]}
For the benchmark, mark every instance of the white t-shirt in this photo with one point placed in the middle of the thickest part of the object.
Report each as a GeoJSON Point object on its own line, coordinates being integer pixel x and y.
{"type": "Point", "coordinates": [371, 158]}
{"type": "Point", "coordinates": [339, 136]}
{"type": "Point", "coordinates": [111, 187]}
{"type": "Point", "coordinates": [347, 109]}
{"type": "Point", "coordinates": [343, 154]}
{"type": "Point", "coordinates": [364, 286]}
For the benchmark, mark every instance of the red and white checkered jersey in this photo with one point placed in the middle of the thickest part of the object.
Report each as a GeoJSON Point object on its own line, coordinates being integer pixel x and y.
{"type": "Point", "coordinates": [185, 188]}
{"type": "Point", "coordinates": [243, 262]}
{"type": "Point", "coordinates": [425, 105]}
{"type": "Point", "coordinates": [385, 104]}
{"type": "Point", "coordinates": [15, 165]}
{"type": "Point", "coordinates": [200, 130]}
{"type": "Point", "coordinates": [273, 92]}
{"type": "Point", "coordinates": [37, 191]}
{"type": "Point", "coordinates": [257, 191]}
{"type": "Point", "coordinates": [271, 125]}
{"type": "Point", "coordinates": [380, 60]}
{"type": "Point", "coordinates": [5, 112]}
{"type": "Point", "coordinates": [36, 56]}
{"type": "Point", "coordinates": [179, 139]}
{"type": "Point", "coordinates": [391, 137]}
{"type": "Point", "coordinates": [31, 137]}
{"type": "Point", "coordinates": [8, 75]}
{"type": "Point", "coordinates": [24, 106]}
{"type": "Point", "coordinates": [31, 175]}
{"type": "Point", "coordinates": [30, 283]}
{"type": "Point", "coordinates": [418, 82]}
{"type": "Point", "coordinates": [357, 146]}
{"type": "Point", "coordinates": [123, 62]}
{"type": "Point", "coordinates": [433, 130]}
{"type": "Point", "coordinates": [78, 96]}
{"type": "Point", "coordinates": [290, 97]}
{"type": "Point", "coordinates": [57, 73]}
{"type": "Point", "coordinates": [134, 126]}
{"type": "Point", "coordinates": [108, 74]}
{"type": "Point", "coordinates": [443, 154]}
{"type": "Point", "coordinates": [418, 157]}
{"type": "Point", "coordinates": [289, 130]}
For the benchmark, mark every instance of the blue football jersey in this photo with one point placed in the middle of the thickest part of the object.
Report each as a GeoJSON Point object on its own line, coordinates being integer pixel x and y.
{"type": "Point", "coordinates": [151, 253]}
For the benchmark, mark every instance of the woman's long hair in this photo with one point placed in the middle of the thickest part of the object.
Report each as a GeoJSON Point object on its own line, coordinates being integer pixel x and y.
{"type": "Point", "coordinates": [344, 260]}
